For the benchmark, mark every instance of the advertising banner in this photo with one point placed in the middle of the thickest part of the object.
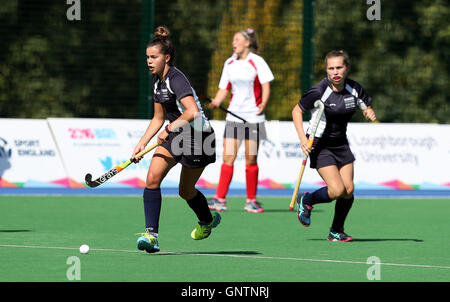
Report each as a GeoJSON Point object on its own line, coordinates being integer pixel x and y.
{"type": "Point", "coordinates": [388, 156]}
{"type": "Point", "coordinates": [28, 155]}
{"type": "Point", "coordinates": [97, 145]}
{"type": "Point", "coordinates": [401, 156]}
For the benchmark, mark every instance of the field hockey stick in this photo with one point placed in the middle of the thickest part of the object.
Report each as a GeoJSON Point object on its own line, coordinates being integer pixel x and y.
{"type": "Point", "coordinates": [117, 169]}
{"type": "Point", "coordinates": [314, 126]}
{"type": "Point", "coordinates": [223, 109]}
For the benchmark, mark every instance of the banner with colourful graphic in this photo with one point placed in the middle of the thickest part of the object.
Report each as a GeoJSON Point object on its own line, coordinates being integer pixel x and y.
{"type": "Point", "coordinates": [388, 157]}
{"type": "Point", "coordinates": [401, 156]}
{"type": "Point", "coordinates": [97, 145]}
{"type": "Point", "coordinates": [61, 151]}
{"type": "Point", "coordinates": [28, 155]}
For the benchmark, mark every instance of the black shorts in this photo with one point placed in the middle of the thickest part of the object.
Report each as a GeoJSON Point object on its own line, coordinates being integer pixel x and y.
{"type": "Point", "coordinates": [245, 131]}
{"type": "Point", "coordinates": [329, 152]}
{"type": "Point", "coordinates": [193, 149]}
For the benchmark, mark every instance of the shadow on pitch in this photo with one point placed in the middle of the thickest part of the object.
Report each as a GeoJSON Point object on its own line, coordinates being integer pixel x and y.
{"type": "Point", "coordinates": [15, 231]}
{"type": "Point", "coordinates": [285, 211]}
{"type": "Point", "coordinates": [386, 239]}
{"type": "Point", "coordinates": [238, 253]}
{"type": "Point", "coordinates": [376, 239]}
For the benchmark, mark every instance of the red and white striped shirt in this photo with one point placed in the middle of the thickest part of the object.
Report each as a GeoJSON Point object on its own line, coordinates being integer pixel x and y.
{"type": "Point", "coordinates": [244, 78]}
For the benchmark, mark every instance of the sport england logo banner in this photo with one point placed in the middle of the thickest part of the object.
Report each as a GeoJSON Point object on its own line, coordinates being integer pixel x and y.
{"type": "Point", "coordinates": [28, 154]}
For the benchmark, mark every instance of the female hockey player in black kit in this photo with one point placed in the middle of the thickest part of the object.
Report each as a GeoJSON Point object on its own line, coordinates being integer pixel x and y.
{"type": "Point", "coordinates": [331, 155]}
{"type": "Point", "coordinates": [188, 139]}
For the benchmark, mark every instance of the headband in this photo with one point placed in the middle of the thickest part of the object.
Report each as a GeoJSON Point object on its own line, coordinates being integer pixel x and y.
{"type": "Point", "coordinates": [245, 34]}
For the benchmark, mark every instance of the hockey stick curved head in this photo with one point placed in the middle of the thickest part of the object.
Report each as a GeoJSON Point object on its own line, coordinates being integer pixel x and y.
{"type": "Point", "coordinates": [89, 182]}
{"type": "Point", "coordinates": [319, 104]}
{"type": "Point", "coordinates": [88, 177]}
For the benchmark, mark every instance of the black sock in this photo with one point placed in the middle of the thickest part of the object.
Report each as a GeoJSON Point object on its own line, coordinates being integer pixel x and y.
{"type": "Point", "coordinates": [318, 196]}
{"type": "Point", "coordinates": [199, 205]}
{"type": "Point", "coordinates": [341, 210]}
{"type": "Point", "coordinates": [152, 209]}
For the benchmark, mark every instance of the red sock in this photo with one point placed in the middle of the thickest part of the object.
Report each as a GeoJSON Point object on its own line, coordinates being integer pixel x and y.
{"type": "Point", "coordinates": [226, 173]}
{"type": "Point", "coordinates": [251, 175]}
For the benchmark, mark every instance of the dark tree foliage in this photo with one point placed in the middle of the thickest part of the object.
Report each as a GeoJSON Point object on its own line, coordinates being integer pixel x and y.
{"type": "Point", "coordinates": [53, 67]}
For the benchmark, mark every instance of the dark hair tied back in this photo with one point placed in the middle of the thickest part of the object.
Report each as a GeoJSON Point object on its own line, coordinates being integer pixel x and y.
{"type": "Point", "coordinates": [161, 38]}
{"type": "Point", "coordinates": [161, 32]}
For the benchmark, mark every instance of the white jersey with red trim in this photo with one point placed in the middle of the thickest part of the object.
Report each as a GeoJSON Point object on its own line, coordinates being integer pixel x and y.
{"type": "Point", "coordinates": [244, 78]}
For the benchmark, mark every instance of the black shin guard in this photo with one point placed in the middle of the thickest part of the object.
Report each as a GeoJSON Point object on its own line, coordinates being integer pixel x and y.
{"type": "Point", "coordinates": [199, 205]}
{"type": "Point", "coordinates": [152, 209]}
{"type": "Point", "coordinates": [341, 210]}
{"type": "Point", "coordinates": [318, 196]}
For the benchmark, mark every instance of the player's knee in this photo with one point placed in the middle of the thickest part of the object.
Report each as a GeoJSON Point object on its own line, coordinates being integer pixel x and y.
{"type": "Point", "coordinates": [153, 181]}
{"type": "Point", "coordinates": [349, 189]}
{"type": "Point", "coordinates": [229, 159]}
{"type": "Point", "coordinates": [187, 193]}
{"type": "Point", "coordinates": [334, 192]}
{"type": "Point", "coordinates": [251, 160]}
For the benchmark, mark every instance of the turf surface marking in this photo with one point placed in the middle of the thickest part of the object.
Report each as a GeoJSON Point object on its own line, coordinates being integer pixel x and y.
{"type": "Point", "coordinates": [228, 255]}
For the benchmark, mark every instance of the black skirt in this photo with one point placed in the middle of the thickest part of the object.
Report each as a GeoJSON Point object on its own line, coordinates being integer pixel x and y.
{"type": "Point", "coordinates": [192, 149]}
{"type": "Point", "coordinates": [331, 152]}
